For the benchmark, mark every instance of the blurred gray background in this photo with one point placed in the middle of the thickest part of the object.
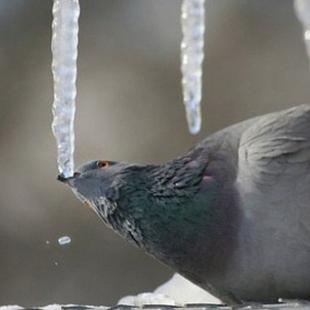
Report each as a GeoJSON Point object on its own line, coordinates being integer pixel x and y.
{"type": "Point", "coordinates": [129, 108]}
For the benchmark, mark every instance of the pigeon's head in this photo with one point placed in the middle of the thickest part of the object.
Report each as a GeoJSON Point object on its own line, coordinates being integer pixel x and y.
{"type": "Point", "coordinates": [137, 200]}
{"type": "Point", "coordinates": [94, 180]}
{"type": "Point", "coordinates": [112, 189]}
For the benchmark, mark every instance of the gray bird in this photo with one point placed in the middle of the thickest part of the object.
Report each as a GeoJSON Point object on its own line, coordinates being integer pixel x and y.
{"type": "Point", "coordinates": [232, 215]}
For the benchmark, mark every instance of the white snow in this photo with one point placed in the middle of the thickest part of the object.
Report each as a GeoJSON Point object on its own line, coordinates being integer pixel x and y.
{"type": "Point", "coordinates": [177, 291]}
{"type": "Point", "coordinates": [53, 307]}
{"type": "Point", "coordinates": [11, 307]}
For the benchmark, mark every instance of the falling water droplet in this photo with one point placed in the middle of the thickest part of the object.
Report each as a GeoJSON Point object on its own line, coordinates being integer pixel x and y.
{"type": "Point", "coordinates": [192, 54]}
{"type": "Point", "coordinates": [47, 242]}
{"type": "Point", "coordinates": [64, 49]}
{"type": "Point", "coordinates": [64, 240]}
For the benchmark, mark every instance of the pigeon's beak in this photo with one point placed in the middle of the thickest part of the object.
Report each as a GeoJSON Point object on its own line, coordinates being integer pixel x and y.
{"type": "Point", "coordinates": [67, 180]}
{"type": "Point", "coordinates": [70, 181]}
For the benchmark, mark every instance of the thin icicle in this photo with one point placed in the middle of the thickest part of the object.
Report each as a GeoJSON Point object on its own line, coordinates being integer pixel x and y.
{"type": "Point", "coordinates": [302, 8]}
{"type": "Point", "coordinates": [64, 49]}
{"type": "Point", "coordinates": [192, 18]}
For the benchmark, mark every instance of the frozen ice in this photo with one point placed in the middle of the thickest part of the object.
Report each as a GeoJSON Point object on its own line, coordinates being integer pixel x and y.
{"type": "Point", "coordinates": [64, 240]}
{"type": "Point", "coordinates": [192, 54]}
{"type": "Point", "coordinates": [302, 8]}
{"type": "Point", "coordinates": [64, 52]}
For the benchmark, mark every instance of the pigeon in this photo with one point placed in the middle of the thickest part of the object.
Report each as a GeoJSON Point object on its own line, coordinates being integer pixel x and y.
{"type": "Point", "coordinates": [232, 215]}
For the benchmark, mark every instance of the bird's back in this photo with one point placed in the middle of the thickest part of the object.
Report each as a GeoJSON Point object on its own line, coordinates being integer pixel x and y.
{"type": "Point", "coordinates": [268, 159]}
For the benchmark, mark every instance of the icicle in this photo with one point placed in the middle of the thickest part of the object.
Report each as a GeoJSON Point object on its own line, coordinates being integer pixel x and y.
{"type": "Point", "coordinates": [64, 50]}
{"type": "Point", "coordinates": [192, 56]}
{"type": "Point", "coordinates": [302, 8]}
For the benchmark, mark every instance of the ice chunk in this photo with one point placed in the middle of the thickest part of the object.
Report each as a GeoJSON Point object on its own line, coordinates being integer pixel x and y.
{"type": "Point", "coordinates": [192, 54]}
{"type": "Point", "coordinates": [64, 240]}
{"type": "Point", "coordinates": [64, 51]}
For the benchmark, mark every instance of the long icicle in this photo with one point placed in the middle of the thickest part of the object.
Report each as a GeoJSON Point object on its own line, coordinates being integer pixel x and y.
{"type": "Point", "coordinates": [192, 54]}
{"type": "Point", "coordinates": [64, 51]}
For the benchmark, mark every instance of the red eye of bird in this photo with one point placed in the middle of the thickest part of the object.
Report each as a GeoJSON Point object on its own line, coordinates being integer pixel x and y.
{"type": "Point", "coordinates": [103, 164]}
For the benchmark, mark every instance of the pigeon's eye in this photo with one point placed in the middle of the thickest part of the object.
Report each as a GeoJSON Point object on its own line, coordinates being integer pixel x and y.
{"type": "Point", "coordinates": [103, 164]}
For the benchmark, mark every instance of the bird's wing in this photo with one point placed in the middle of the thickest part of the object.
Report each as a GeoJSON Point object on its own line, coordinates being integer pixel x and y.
{"type": "Point", "coordinates": [275, 147]}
